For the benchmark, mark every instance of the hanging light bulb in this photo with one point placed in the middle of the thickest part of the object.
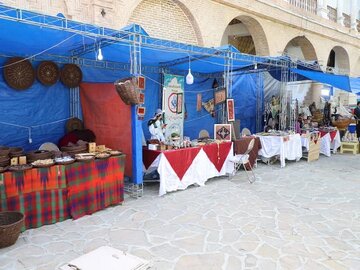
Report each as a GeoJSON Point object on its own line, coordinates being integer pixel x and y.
{"type": "Point", "coordinates": [100, 56]}
{"type": "Point", "coordinates": [189, 76]}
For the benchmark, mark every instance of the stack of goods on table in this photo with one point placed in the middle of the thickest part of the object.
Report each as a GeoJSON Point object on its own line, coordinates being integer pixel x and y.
{"type": "Point", "coordinates": [14, 158]}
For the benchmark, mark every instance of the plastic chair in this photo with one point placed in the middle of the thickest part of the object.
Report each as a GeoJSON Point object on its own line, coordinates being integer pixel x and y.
{"type": "Point", "coordinates": [245, 132]}
{"type": "Point", "coordinates": [243, 159]}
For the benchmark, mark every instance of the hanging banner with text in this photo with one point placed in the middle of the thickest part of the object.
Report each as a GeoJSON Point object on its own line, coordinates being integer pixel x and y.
{"type": "Point", "coordinates": [173, 104]}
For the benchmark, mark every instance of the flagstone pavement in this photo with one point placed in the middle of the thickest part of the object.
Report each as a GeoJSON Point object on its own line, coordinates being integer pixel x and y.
{"type": "Point", "coordinates": [304, 216]}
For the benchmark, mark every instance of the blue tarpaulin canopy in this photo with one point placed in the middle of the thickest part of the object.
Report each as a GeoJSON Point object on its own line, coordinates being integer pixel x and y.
{"type": "Point", "coordinates": [338, 81]}
{"type": "Point", "coordinates": [31, 34]}
{"type": "Point", "coordinates": [355, 85]}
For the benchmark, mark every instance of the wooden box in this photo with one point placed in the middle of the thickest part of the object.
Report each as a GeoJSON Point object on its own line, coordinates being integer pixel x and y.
{"type": "Point", "coordinates": [314, 147]}
{"type": "Point", "coordinates": [14, 161]}
{"type": "Point", "coordinates": [349, 147]}
{"type": "Point", "coordinates": [92, 147]}
{"type": "Point", "coordinates": [22, 160]}
{"type": "Point", "coordinates": [314, 150]}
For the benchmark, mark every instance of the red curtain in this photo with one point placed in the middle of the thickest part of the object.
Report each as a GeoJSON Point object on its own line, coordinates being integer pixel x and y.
{"type": "Point", "coordinates": [108, 116]}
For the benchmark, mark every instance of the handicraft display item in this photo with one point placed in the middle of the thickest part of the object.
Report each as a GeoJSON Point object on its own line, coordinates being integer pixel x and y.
{"type": "Point", "coordinates": [71, 75]}
{"type": "Point", "coordinates": [222, 132]}
{"type": "Point", "coordinates": [48, 73]}
{"type": "Point", "coordinates": [230, 110]}
{"type": "Point", "coordinates": [220, 96]}
{"type": "Point", "coordinates": [129, 91]}
{"type": "Point", "coordinates": [198, 102]}
{"type": "Point", "coordinates": [19, 73]}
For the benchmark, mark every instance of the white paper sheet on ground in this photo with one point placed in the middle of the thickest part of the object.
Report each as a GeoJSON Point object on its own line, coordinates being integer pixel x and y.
{"type": "Point", "coordinates": [107, 258]}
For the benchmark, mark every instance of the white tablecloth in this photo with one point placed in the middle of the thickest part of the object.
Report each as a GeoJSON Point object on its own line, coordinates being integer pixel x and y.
{"type": "Point", "coordinates": [290, 149]}
{"type": "Point", "coordinates": [326, 145]}
{"type": "Point", "coordinates": [200, 170]}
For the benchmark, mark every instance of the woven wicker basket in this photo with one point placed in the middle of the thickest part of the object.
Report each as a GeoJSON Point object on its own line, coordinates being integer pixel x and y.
{"type": "Point", "coordinates": [341, 123]}
{"type": "Point", "coordinates": [10, 227]}
{"type": "Point", "coordinates": [128, 91]}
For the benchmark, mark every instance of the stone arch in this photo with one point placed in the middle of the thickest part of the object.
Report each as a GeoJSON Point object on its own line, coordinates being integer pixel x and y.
{"type": "Point", "coordinates": [167, 19]}
{"type": "Point", "coordinates": [300, 47]}
{"type": "Point", "coordinates": [339, 59]}
{"type": "Point", "coordinates": [247, 35]}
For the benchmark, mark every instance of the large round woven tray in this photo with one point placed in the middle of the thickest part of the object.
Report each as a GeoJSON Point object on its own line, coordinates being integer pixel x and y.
{"type": "Point", "coordinates": [48, 73]}
{"type": "Point", "coordinates": [39, 154]}
{"type": "Point", "coordinates": [87, 159]}
{"type": "Point", "coordinates": [37, 165]}
{"type": "Point", "coordinates": [102, 156]}
{"type": "Point", "coordinates": [16, 151]}
{"type": "Point", "coordinates": [10, 227]}
{"type": "Point", "coordinates": [4, 151]}
{"type": "Point", "coordinates": [3, 169]}
{"type": "Point", "coordinates": [65, 162]}
{"type": "Point", "coordinates": [19, 168]}
{"type": "Point", "coordinates": [74, 124]}
{"type": "Point", "coordinates": [19, 73]}
{"type": "Point", "coordinates": [71, 75]}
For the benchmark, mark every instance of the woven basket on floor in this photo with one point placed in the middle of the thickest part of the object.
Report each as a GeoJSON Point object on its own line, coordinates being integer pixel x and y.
{"type": "Point", "coordinates": [128, 91]}
{"type": "Point", "coordinates": [10, 227]}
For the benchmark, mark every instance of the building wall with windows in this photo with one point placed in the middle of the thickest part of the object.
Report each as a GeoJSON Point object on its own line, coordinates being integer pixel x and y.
{"type": "Point", "coordinates": [322, 30]}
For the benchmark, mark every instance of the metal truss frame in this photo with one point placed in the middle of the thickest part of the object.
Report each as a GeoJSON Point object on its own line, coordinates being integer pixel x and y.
{"type": "Point", "coordinates": [105, 36]}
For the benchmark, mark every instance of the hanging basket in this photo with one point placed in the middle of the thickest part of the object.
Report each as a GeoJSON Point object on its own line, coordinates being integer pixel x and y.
{"type": "Point", "coordinates": [128, 91]}
{"type": "Point", "coordinates": [48, 73]}
{"type": "Point", "coordinates": [71, 75]}
{"type": "Point", "coordinates": [19, 73]}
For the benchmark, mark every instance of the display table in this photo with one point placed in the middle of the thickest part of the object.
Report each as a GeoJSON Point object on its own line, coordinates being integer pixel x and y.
{"type": "Point", "coordinates": [287, 147]}
{"type": "Point", "coordinates": [181, 168]}
{"type": "Point", "coordinates": [241, 145]}
{"type": "Point", "coordinates": [49, 195]}
{"type": "Point", "coordinates": [330, 141]}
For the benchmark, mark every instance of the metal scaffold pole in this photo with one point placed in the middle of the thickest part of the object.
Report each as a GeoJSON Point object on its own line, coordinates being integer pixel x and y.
{"type": "Point", "coordinates": [284, 96]}
{"type": "Point", "coordinates": [259, 101]}
{"type": "Point", "coordinates": [292, 102]}
{"type": "Point", "coordinates": [135, 188]}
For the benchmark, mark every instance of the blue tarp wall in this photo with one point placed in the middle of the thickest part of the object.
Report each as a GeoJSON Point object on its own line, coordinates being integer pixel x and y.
{"type": "Point", "coordinates": [245, 93]}
{"type": "Point", "coordinates": [45, 109]}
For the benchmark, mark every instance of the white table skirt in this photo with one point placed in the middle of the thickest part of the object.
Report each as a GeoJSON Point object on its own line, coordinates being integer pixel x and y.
{"type": "Point", "coordinates": [275, 145]}
{"type": "Point", "coordinates": [326, 145]}
{"type": "Point", "coordinates": [200, 170]}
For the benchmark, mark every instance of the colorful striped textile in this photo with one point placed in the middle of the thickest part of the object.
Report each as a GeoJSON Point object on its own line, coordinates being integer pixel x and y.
{"type": "Point", "coordinates": [95, 185]}
{"type": "Point", "coordinates": [50, 195]}
{"type": "Point", "coordinates": [40, 194]}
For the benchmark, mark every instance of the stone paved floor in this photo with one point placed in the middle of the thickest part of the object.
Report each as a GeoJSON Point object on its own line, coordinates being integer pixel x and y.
{"type": "Point", "coordinates": [305, 216]}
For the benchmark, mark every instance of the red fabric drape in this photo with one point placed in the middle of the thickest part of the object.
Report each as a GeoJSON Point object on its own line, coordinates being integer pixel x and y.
{"type": "Point", "coordinates": [332, 134]}
{"type": "Point", "coordinates": [218, 153]}
{"type": "Point", "coordinates": [108, 117]}
{"type": "Point", "coordinates": [181, 159]}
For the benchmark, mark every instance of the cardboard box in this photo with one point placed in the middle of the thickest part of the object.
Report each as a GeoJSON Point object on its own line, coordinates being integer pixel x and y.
{"type": "Point", "coordinates": [14, 161]}
{"type": "Point", "coordinates": [92, 147]}
{"type": "Point", "coordinates": [22, 160]}
{"type": "Point", "coordinates": [100, 148]}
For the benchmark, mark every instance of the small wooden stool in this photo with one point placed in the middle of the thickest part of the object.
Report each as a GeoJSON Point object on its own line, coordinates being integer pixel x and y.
{"type": "Point", "coordinates": [349, 147]}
